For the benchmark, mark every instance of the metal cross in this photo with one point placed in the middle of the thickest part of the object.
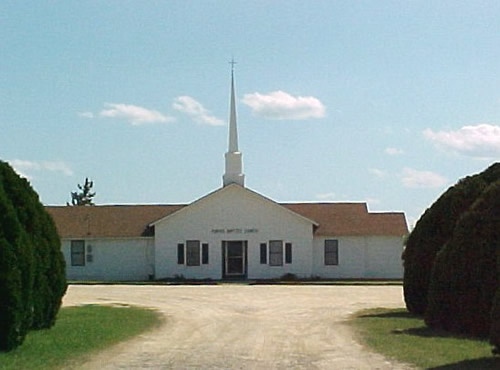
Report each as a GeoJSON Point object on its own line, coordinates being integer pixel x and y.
{"type": "Point", "coordinates": [232, 62]}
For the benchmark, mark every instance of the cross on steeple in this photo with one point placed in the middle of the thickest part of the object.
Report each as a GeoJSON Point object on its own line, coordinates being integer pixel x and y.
{"type": "Point", "coordinates": [232, 62]}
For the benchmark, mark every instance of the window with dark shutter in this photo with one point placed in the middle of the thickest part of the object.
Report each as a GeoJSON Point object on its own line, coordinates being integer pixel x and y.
{"type": "Point", "coordinates": [204, 253]}
{"type": "Point", "coordinates": [180, 254]}
{"type": "Point", "coordinates": [288, 252]}
{"type": "Point", "coordinates": [193, 253]}
{"type": "Point", "coordinates": [276, 253]}
{"type": "Point", "coordinates": [263, 253]}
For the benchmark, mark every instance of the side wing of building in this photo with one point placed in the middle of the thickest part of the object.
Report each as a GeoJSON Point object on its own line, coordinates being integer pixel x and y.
{"type": "Point", "coordinates": [108, 242]}
{"type": "Point", "coordinates": [352, 243]}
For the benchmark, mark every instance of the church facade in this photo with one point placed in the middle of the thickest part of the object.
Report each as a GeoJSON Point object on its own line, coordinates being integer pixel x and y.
{"type": "Point", "coordinates": [231, 233]}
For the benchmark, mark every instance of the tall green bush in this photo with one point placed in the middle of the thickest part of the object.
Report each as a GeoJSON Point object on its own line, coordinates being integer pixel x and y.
{"type": "Point", "coordinates": [495, 317]}
{"type": "Point", "coordinates": [433, 230]}
{"type": "Point", "coordinates": [13, 325]}
{"type": "Point", "coordinates": [33, 270]}
{"type": "Point", "coordinates": [464, 279]}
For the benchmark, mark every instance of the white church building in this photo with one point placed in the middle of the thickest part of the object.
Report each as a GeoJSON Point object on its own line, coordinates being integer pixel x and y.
{"type": "Point", "coordinates": [230, 233]}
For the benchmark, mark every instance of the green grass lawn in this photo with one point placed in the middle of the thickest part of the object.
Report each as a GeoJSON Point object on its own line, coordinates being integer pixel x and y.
{"type": "Point", "coordinates": [404, 337]}
{"type": "Point", "coordinates": [78, 332]}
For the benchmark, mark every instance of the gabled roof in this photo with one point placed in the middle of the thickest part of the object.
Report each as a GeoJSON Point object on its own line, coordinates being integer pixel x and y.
{"type": "Point", "coordinates": [124, 221]}
{"type": "Point", "coordinates": [236, 187]}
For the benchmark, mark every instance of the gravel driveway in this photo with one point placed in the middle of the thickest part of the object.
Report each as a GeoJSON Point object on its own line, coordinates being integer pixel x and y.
{"type": "Point", "coordinates": [243, 326]}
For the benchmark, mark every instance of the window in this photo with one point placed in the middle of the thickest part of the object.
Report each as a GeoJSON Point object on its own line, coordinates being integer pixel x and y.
{"type": "Point", "coordinates": [331, 252]}
{"type": "Point", "coordinates": [204, 253]}
{"type": "Point", "coordinates": [193, 253]}
{"type": "Point", "coordinates": [263, 253]}
{"type": "Point", "coordinates": [180, 254]}
{"type": "Point", "coordinates": [288, 252]}
{"type": "Point", "coordinates": [276, 253]}
{"type": "Point", "coordinates": [78, 253]}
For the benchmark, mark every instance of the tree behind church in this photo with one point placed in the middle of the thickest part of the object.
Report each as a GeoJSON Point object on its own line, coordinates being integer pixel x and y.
{"type": "Point", "coordinates": [32, 268]}
{"type": "Point", "coordinates": [83, 197]}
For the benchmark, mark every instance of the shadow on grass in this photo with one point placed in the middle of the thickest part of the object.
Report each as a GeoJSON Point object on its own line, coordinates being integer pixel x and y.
{"type": "Point", "coordinates": [391, 314]}
{"type": "Point", "coordinates": [426, 332]}
{"type": "Point", "coordinates": [421, 331]}
{"type": "Point", "coordinates": [484, 363]}
{"type": "Point", "coordinates": [391, 323]}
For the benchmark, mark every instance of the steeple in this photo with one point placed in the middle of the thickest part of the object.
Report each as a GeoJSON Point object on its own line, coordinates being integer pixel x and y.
{"type": "Point", "coordinates": [233, 157]}
{"type": "Point", "coordinates": [233, 131]}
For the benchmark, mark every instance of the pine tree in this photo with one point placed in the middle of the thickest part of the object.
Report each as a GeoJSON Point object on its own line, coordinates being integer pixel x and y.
{"type": "Point", "coordinates": [84, 196]}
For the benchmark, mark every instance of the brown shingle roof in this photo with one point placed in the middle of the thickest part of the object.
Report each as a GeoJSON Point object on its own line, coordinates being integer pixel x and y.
{"type": "Point", "coordinates": [108, 221]}
{"type": "Point", "coordinates": [353, 219]}
{"type": "Point", "coordinates": [334, 219]}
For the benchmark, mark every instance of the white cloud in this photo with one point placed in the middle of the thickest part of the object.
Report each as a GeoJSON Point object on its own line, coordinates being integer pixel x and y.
{"type": "Point", "coordinates": [26, 168]}
{"type": "Point", "coordinates": [280, 105]}
{"type": "Point", "coordinates": [377, 172]}
{"type": "Point", "coordinates": [393, 151]}
{"type": "Point", "coordinates": [412, 178]}
{"type": "Point", "coordinates": [325, 196]}
{"type": "Point", "coordinates": [134, 114]}
{"type": "Point", "coordinates": [86, 114]}
{"type": "Point", "coordinates": [196, 110]}
{"type": "Point", "coordinates": [57, 167]}
{"type": "Point", "coordinates": [479, 141]}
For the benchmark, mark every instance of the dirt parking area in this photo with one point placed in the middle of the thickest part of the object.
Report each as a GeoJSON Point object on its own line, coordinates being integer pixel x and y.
{"type": "Point", "coordinates": [237, 326]}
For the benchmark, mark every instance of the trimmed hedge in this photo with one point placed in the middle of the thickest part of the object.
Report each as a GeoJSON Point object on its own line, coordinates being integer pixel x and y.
{"type": "Point", "coordinates": [32, 268]}
{"type": "Point", "coordinates": [495, 316]}
{"type": "Point", "coordinates": [433, 230]}
{"type": "Point", "coordinates": [464, 278]}
{"type": "Point", "coordinates": [14, 315]}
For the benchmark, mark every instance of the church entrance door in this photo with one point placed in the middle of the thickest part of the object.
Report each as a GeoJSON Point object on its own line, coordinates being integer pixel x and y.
{"type": "Point", "coordinates": [234, 257]}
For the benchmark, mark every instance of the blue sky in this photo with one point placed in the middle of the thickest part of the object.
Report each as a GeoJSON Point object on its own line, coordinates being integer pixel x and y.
{"type": "Point", "coordinates": [388, 102]}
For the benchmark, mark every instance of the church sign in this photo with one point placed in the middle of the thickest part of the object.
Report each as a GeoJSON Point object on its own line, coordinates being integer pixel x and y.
{"type": "Point", "coordinates": [235, 231]}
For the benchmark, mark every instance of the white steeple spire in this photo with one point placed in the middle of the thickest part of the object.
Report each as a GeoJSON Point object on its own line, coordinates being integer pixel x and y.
{"type": "Point", "coordinates": [233, 131]}
{"type": "Point", "coordinates": [233, 157]}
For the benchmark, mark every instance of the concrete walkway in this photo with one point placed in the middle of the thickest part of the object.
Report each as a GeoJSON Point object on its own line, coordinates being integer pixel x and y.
{"type": "Point", "coordinates": [243, 326]}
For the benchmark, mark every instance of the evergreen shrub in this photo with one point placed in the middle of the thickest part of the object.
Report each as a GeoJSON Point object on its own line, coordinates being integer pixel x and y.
{"type": "Point", "coordinates": [32, 268]}
{"type": "Point", "coordinates": [464, 278]}
{"type": "Point", "coordinates": [13, 313]}
{"type": "Point", "coordinates": [433, 230]}
{"type": "Point", "coordinates": [495, 317]}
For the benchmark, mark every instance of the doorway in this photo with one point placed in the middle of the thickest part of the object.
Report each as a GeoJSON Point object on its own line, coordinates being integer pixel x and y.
{"type": "Point", "coordinates": [234, 258]}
